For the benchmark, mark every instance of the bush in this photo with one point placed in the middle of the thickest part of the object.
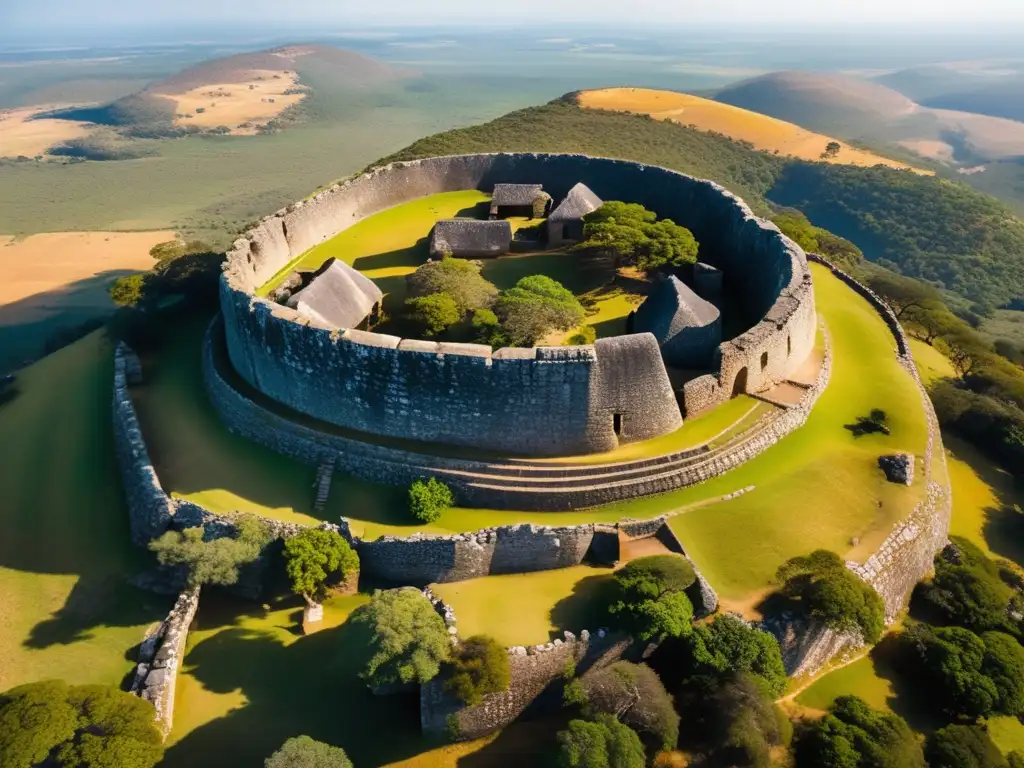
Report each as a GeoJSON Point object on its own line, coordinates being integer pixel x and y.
{"type": "Point", "coordinates": [428, 499]}
{"type": "Point", "coordinates": [408, 640]}
{"type": "Point", "coordinates": [636, 237]}
{"type": "Point", "coordinates": [634, 694]}
{"type": "Point", "coordinates": [853, 734]}
{"type": "Point", "coordinates": [535, 306]}
{"type": "Point", "coordinates": [312, 556]}
{"type": "Point", "coordinates": [729, 645]}
{"type": "Point", "coordinates": [487, 329]}
{"type": "Point", "coordinates": [820, 586]}
{"type": "Point", "coordinates": [304, 752]}
{"type": "Point", "coordinates": [79, 726]}
{"type": "Point", "coordinates": [128, 291]}
{"type": "Point", "coordinates": [746, 724]}
{"type": "Point", "coordinates": [216, 561]}
{"type": "Point", "coordinates": [457, 278]}
{"type": "Point", "coordinates": [436, 313]}
{"type": "Point", "coordinates": [962, 746]}
{"type": "Point", "coordinates": [649, 599]}
{"type": "Point", "coordinates": [601, 743]}
{"type": "Point", "coordinates": [480, 666]}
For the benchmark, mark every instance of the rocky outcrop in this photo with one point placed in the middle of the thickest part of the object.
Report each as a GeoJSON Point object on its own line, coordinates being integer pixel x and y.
{"type": "Point", "coordinates": [898, 468]}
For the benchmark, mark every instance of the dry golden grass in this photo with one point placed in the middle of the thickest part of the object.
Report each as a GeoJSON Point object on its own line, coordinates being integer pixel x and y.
{"type": "Point", "coordinates": [765, 133]}
{"type": "Point", "coordinates": [20, 135]}
{"type": "Point", "coordinates": [42, 265]}
{"type": "Point", "coordinates": [233, 104]}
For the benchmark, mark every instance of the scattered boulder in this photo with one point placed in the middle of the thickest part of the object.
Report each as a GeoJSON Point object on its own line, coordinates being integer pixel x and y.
{"type": "Point", "coordinates": [898, 468]}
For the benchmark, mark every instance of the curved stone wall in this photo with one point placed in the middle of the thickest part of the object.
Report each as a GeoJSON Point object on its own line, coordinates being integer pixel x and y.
{"type": "Point", "coordinates": [543, 401]}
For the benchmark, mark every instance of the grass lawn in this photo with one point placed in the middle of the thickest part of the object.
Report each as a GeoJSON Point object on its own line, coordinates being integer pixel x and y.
{"type": "Point", "coordinates": [1007, 733]}
{"type": "Point", "coordinates": [544, 604]}
{"type": "Point", "coordinates": [64, 551]}
{"type": "Point", "coordinates": [931, 363]}
{"type": "Point", "coordinates": [856, 679]}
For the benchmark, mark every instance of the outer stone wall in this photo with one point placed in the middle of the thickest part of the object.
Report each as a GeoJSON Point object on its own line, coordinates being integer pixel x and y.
{"type": "Point", "coordinates": [545, 401]}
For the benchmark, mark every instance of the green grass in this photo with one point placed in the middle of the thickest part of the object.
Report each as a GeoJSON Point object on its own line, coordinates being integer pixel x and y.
{"type": "Point", "coordinates": [64, 551]}
{"type": "Point", "coordinates": [544, 604]}
{"type": "Point", "coordinates": [1007, 733]}
{"type": "Point", "coordinates": [931, 363]}
{"type": "Point", "coordinates": [857, 679]}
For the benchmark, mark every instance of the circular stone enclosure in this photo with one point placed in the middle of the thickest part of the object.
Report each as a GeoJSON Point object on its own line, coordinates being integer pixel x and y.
{"type": "Point", "coordinates": [544, 401]}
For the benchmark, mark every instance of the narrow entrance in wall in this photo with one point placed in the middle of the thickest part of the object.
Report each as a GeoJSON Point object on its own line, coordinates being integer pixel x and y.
{"type": "Point", "coordinates": [789, 346]}
{"type": "Point", "coordinates": [617, 424]}
{"type": "Point", "coordinates": [739, 384]}
{"type": "Point", "coordinates": [764, 360]}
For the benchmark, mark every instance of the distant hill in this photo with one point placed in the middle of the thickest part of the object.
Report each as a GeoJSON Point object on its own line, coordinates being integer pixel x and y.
{"type": "Point", "coordinates": [760, 131]}
{"type": "Point", "coordinates": [995, 90]}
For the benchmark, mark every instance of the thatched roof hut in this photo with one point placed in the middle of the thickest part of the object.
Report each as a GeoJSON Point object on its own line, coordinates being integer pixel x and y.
{"type": "Point", "coordinates": [339, 295]}
{"type": "Point", "coordinates": [471, 238]}
{"type": "Point", "coordinates": [687, 327]}
{"type": "Point", "coordinates": [528, 200]}
{"type": "Point", "coordinates": [566, 221]}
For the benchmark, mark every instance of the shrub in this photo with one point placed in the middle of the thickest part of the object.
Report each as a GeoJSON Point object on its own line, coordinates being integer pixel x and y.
{"type": "Point", "coordinates": [745, 724]}
{"type": "Point", "coordinates": [636, 237]}
{"type": "Point", "coordinates": [408, 640]}
{"type": "Point", "coordinates": [853, 734]}
{"type": "Point", "coordinates": [436, 312]}
{"type": "Point", "coordinates": [601, 743]}
{"type": "Point", "coordinates": [312, 556]}
{"type": "Point", "coordinates": [823, 588]}
{"type": "Point", "coordinates": [634, 694]}
{"type": "Point", "coordinates": [457, 278]}
{"type": "Point", "coordinates": [428, 499]}
{"type": "Point", "coordinates": [962, 746]}
{"type": "Point", "coordinates": [535, 306]}
{"type": "Point", "coordinates": [728, 645]}
{"type": "Point", "coordinates": [79, 726]}
{"type": "Point", "coordinates": [304, 752]}
{"type": "Point", "coordinates": [127, 291]}
{"type": "Point", "coordinates": [480, 666]}
{"type": "Point", "coordinates": [487, 329]}
{"type": "Point", "coordinates": [649, 599]}
{"type": "Point", "coordinates": [216, 561]}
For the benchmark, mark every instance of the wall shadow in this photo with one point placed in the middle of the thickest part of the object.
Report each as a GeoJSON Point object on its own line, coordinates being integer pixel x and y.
{"type": "Point", "coordinates": [585, 607]}
{"type": "Point", "coordinates": [909, 699]}
{"type": "Point", "coordinates": [404, 257]}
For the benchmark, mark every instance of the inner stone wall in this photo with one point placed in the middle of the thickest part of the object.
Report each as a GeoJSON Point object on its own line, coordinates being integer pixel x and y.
{"type": "Point", "coordinates": [543, 401]}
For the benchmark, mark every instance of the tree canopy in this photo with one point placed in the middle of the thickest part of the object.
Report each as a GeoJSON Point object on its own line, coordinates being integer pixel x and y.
{"type": "Point", "coordinates": [436, 312]}
{"type": "Point", "coordinates": [428, 499]}
{"type": "Point", "coordinates": [408, 641]}
{"type": "Point", "coordinates": [744, 723]}
{"type": "Point", "coordinates": [535, 306]}
{"type": "Point", "coordinates": [479, 666]}
{"type": "Point", "coordinates": [852, 735]}
{"type": "Point", "coordinates": [600, 743]}
{"type": "Point", "coordinates": [962, 746]}
{"type": "Point", "coordinates": [214, 561]}
{"type": "Point", "coordinates": [304, 752]}
{"type": "Point", "coordinates": [729, 645]}
{"type": "Point", "coordinates": [637, 237]}
{"type": "Point", "coordinates": [458, 278]}
{"type": "Point", "coordinates": [649, 599]}
{"type": "Point", "coordinates": [821, 586]}
{"type": "Point", "coordinates": [77, 726]}
{"type": "Point", "coordinates": [312, 556]}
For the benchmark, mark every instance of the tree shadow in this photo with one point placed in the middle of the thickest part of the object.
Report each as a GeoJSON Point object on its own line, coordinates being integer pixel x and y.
{"type": "Point", "coordinates": [872, 424]}
{"type": "Point", "coordinates": [523, 742]}
{"type": "Point", "coordinates": [909, 700]}
{"type": "Point", "coordinates": [309, 686]}
{"type": "Point", "coordinates": [586, 607]}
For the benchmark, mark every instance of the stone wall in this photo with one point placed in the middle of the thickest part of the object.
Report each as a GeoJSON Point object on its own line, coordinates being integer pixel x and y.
{"type": "Point", "coordinates": [160, 657]}
{"type": "Point", "coordinates": [542, 402]}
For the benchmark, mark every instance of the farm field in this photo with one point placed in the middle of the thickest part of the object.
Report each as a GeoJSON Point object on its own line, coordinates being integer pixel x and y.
{"type": "Point", "coordinates": [763, 132]}
{"type": "Point", "coordinates": [64, 552]}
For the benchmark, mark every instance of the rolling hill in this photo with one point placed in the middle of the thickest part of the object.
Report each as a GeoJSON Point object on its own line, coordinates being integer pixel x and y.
{"type": "Point", "coordinates": [760, 131]}
{"type": "Point", "coordinates": [995, 89]}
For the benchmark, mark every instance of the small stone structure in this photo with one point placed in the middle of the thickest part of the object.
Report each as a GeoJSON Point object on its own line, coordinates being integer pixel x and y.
{"type": "Point", "coordinates": [565, 224]}
{"type": "Point", "coordinates": [160, 657]}
{"type": "Point", "coordinates": [528, 200]}
{"type": "Point", "coordinates": [339, 296]}
{"type": "Point", "coordinates": [898, 468]}
{"type": "Point", "coordinates": [469, 238]}
{"type": "Point", "coordinates": [688, 328]}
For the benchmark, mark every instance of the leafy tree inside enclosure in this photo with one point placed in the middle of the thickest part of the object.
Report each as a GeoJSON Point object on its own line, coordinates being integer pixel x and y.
{"type": "Point", "coordinates": [213, 561]}
{"type": "Point", "coordinates": [962, 746]}
{"type": "Point", "coordinates": [479, 666]}
{"type": "Point", "coordinates": [428, 499]}
{"type": "Point", "coordinates": [637, 238]}
{"type": "Point", "coordinates": [600, 743]}
{"type": "Point", "coordinates": [535, 306]}
{"type": "Point", "coordinates": [436, 313]}
{"type": "Point", "coordinates": [407, 640]}
{"type": "Point", "coordinates": [649, 600]}
{"type": "Point", "coordinates": [313, 556]}
{"type": "Point", "coordinates": [729, 645]}
{"type": "Point", "coordinates": [76, 726]}
{"type": "Point", "coordinates": [854, 735]}
{"type": "Point", "coordinates": [458, 278]}
{"type": "Point", "coordinates": [304, 752]}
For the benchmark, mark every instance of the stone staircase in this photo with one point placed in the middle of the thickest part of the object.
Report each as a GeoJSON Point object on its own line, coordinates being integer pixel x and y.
{"type": "Point", "coordinates": [324, 476]}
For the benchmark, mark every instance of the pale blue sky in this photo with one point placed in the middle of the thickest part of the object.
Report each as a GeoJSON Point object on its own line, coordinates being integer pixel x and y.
{"type": "Point", "coordinates": [300, 13]}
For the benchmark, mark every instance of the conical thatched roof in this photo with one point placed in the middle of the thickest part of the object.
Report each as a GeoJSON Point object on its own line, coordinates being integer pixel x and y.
{"type": "Point", "coordinates": [578, 203]}
{"type": "Point", "coordinates": [339, 295]}
{"type": "Point", "coordinates": [687, 327]}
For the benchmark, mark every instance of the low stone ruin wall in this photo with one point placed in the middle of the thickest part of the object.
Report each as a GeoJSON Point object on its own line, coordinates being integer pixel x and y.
{"type": "Point", "coordinates": [160, 657]}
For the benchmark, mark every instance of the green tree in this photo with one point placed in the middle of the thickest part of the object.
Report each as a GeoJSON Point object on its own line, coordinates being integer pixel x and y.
{"type": "Point", "coordinates": [797, 228]}
{"type": "Point", "coordinates": [535, 306]}
{"type": "Point", "coordinates": [408, 641]}
{"type": "Point", "coordinates": [213, 561]}
{"type": "Point", "coordinates": [457, 278]}
{"type": "Point", "coordinates": [962, 746]}
{"type": "Point", "coordinates": [852, 735]}
{"type": "Point", "coordinates": [1015, 759]}
{"type": "Point", "coordinates": [428, 499]}
{"type": "Point", "coordinates": [744, 723]}
{"type": "Point", "coordinates": [649, 600]}
{"type": "Point", "coordinates": [128, 291]}
{"type": "Point", "coordinates": [635, 695]}
{"type": "Point", "coordinates": [312, 556]}
{"type": "Point", "coordinates": [601, 743]}
{"type": "Point", "coordinates": [436, 313]}
{"type": "Point", "coordinates": [831, 150]}
{"type": "Point", "coordinates": [479, 666]}
{"type": "Point", "coordinates": [729, 645]}
{"type": "Point", "coordinates": [81, 726]}
{"type": "Point", "coordinates": [820, 586]}
{"type": "Point", "coordinates": [304, 752]}
{"type": "Point", "coordinates": [902, 293]}
{"type": "Point", "coordinates": [636, 236]}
